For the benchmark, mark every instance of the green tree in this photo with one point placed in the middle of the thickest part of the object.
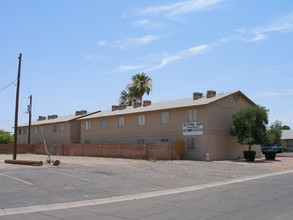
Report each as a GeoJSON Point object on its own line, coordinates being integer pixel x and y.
{"type": "Point", "coordinates": [274, 133]}
{"type": "Point", "coordinates": [141, 84]}
{"type": "Point", "coordinates": [285, 127]}
{"type": "Point", "coordinates": [5, 137]}
{"type": "Point", "coordinates": [249, 125]}
{"type": "Point", "coordinates": [127, 98]}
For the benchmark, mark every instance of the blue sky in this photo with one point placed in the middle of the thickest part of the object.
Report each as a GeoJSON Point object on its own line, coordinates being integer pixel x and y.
{"type": "Point", "coordinates": [81, 54]}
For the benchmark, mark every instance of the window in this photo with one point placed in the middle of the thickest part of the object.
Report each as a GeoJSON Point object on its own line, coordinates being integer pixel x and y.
{"type": "Point", "coordinates": [121, 122]}
{"type": "Point", "coordinates": [41, 129]}
{"type": "Point", "coordinates": [35, 130]}
{"type": "Point", "coordinates": [62, 127]}
{"type": "Point", "coordinates": [165, 117]}
{"type": "Point", "coordinates": [140, 141]}
{"type": "Point", "coordinates": [121, 141]}
{"type": "Point", "coordinates": [24, 131]}
{"type": "Point", "coordinates": [141, 120]}
{"type": "Point", "coordinates": [290, 143]}
{"type": "Point", "coordinates": [164, 140]}
{"type": "Point", "coordinates": [54, 128]}
{"type": "Point", "coordinates": [191, 143]}
{"type": "Point", "coordinates": [103, 124]}
{"type": "Point", "coordinates": [19, 131]}
{"type": "Point", "coordinates": [192, 115]}
{"type": "Point", "coordinates": [87, 125]}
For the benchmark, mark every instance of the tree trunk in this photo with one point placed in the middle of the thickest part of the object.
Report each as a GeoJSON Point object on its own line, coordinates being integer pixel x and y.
{"type": "Point", "coordinates": [249, 148]}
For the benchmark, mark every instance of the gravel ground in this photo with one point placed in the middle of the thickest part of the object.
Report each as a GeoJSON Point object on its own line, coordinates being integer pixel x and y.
{"type": "Point", "coordinates": [281, 163]}
{"type": "Point", "coordinates": [193, 172]}
{"type": "Point", "coordinates": [176, 170]}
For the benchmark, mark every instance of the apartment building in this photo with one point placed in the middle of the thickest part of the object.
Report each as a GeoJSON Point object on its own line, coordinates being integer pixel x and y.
{"type": "Point", "coordinates": [53, 129]}
{"type": "Point", "coordinates": [201, 121]}
{"type": "Point", "coordinates": [287, 139]}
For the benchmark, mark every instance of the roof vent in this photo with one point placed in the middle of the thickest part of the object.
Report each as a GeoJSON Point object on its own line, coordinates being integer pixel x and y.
{"type": "Point", "coordinates": [121, 107]}
{"type": "Point", "coordinates": [146, 103]}
{"type": "Point", "coordinates": [52, 117]}
{"type": "Point", "coordinates": [81, 112]}
{"type": "Point", "coordinates": [211, 93]}
{"type": "Point", "coordinates": [42, 118]}
{"type": "Point", "coordinates": [136, 104]}
{"type": "Point", "coordinates": [115, 107]}
{"type": "Point", "coordinates": [197, 95]}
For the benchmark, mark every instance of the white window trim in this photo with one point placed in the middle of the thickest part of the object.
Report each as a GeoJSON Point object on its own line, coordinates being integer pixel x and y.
{"type": "Point", "coordinates": [87, 125]}
{"type": "Point", "coordinates": [121, 122]}
{"type": "Point", "coordinates": [103, 123]}
{"type": "Point", "coordinates": [192, 115]}
{"type": "Point", "coordinates": [165, 118]}
{"type": "Point", "coordinates": [141, 120]}
{"type": "Point", "coordinates": [62, 127]}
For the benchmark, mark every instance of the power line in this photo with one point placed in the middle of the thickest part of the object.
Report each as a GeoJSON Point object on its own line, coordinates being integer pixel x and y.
{"type": "Point", "coordinates": [2, 122]}
{"type": "Point", "coordinates": [5, 87]}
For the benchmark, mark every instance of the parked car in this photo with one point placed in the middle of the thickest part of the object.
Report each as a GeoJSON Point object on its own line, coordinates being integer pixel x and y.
{"type": "Point", "coordinates": [279, 149]}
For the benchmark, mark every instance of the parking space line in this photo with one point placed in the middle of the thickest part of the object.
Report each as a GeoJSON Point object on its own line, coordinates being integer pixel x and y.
{"type": "Point", "coordinates": [65, 174]}
{"type": "Point", "coordinates": [1, 174]}
{"type": "Point", "coordinates": [92, 202]}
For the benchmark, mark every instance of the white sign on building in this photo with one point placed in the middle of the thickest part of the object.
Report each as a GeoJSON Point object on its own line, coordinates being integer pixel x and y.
{"type": "Point", "coordinates": [192, 128]}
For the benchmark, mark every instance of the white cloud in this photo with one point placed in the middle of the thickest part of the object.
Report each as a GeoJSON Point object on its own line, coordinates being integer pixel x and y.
{"type": "Point", "coordinates": [141, 22]}
{"type": "Point", "coordinates": [134, 42]}
{"type": "Point", "coordinates": [274, 94]}
{"type": "Point", "coordinates": [102, 43]}
{"type": "Point", "coordinates": [129, 42]}
{"type": "Point", "coordinates": [181, 7]}
{"type": "Point", "coordinates": [126, 68]}
{"type": "Point", "coordinates": [149, 24]}
{"type": "Point", "coordinates": [180, 55]}
{"type": "Point", "coordinates": [261, 33]}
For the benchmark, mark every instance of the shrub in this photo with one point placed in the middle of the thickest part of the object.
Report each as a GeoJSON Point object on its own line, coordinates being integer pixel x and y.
{"type": "Point", "coordinates": [7, 152]}
{"type": "Point", "coordinates": [270, 154]}
{"type": "Point", "coordinates": [249, 155]}
{"type": "Point", "coordinates": [286, 149]}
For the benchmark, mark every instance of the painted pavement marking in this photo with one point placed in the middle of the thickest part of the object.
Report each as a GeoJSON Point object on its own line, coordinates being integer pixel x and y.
{"type": "Point", "coordinates": [92, 202]}
{"type": "Point", "coordinates": [1, 174]}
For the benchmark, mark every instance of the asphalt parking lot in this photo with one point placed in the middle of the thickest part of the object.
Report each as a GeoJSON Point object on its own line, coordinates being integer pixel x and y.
{"type": "Point", "coordinates": [87, 179]}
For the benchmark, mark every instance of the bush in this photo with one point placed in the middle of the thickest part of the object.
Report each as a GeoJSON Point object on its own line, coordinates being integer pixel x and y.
{"type": "Point", "coordinates": [286, 149]}
{"type": "Point", "coordinates": [7, 152]}
{"type": "Point", "coordinates": [270, 154]}
{"type": "Point", "coordinates": [249, 155]}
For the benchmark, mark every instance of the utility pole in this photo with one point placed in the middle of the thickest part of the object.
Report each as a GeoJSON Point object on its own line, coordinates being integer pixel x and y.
{"type": "Point", "coordinates": [29, 109]}
{"type": "Point", "coordinates": [16, 109]}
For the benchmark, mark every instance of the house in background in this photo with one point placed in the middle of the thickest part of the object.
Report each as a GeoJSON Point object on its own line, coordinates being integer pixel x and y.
{"type": "Point", "coordinates": [202, 122]}
{"type": "Point", "coordinates": [287, 139]}
{"type": "Point", "coordinates": [53, 129]}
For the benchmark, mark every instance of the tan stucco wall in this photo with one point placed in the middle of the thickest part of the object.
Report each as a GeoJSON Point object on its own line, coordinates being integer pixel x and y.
{"type": "Point", "coordinates": [71, 134]}
{"type": "Point", "coordinates": [153, 130]}
{"type": "Point", "coordinates": [220, 143]}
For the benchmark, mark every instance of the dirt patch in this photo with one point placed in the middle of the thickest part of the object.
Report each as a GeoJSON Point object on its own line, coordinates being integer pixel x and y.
{"type": "Point", "coordinates": [281, 163]}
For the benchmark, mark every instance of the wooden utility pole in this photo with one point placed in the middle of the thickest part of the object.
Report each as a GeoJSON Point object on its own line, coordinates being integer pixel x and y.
{"type": "Point", "coordinates": [29, 109]}
{"type": "Point", "coordinates": [16, 109]}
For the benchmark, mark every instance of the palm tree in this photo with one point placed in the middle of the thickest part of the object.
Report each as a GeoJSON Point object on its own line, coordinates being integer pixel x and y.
{"type": "Point", "coordinates": [127, 98]}
{"type": "Point", "coordinates": [141, 84]}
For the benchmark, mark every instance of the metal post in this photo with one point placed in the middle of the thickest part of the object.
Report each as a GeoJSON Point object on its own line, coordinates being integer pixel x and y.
{"type": "Point", "coordinates": [30, 119]}
{"type": "Point", "coordinates": [16, 109]}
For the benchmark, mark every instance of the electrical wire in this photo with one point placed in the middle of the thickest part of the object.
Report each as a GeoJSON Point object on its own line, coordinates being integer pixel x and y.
{"type": "Point", "coordinates": [5, 87]}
